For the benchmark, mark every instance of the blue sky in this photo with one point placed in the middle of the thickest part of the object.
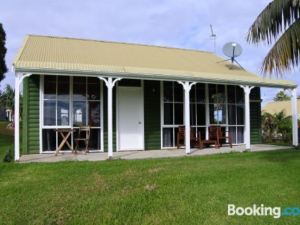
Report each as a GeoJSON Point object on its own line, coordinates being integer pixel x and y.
{"type": "Point", "coordinates": [175, 23]}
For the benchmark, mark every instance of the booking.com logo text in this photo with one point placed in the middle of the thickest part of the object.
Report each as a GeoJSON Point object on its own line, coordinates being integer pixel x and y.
{"type": "Point", "coordinates": [262, 210]}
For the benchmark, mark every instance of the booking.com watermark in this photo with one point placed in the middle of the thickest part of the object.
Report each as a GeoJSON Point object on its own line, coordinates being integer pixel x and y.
{"type": "Point", "coordinates": [262, 210]}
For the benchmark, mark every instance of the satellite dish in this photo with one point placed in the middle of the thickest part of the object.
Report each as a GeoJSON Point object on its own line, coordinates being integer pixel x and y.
{"type": "Point", "coordinates": [232, 50]}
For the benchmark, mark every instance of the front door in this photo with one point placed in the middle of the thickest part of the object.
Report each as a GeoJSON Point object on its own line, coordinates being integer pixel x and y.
{"type": "Point", "coordinates": [130, 118]}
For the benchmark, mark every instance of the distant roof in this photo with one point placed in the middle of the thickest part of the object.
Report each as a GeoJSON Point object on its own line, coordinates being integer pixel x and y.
{"type": "Point", "coordinates": [276, 107]}
{"type": "Point", "coordinates": [58, 55]}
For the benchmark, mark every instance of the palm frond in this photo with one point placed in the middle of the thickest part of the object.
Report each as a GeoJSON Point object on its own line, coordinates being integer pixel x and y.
{"type": "Point", "coordinates": [273, 20]}
{"type": "Point", "coordinates": [285, 52]}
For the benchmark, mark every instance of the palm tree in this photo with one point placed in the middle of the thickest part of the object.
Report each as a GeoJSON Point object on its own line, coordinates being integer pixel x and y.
{"type": "Point", "coordinates": [279, 22]}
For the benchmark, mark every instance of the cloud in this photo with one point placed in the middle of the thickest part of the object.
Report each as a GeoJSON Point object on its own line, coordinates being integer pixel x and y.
{"type": "Point", "coordinates": [174, 23]}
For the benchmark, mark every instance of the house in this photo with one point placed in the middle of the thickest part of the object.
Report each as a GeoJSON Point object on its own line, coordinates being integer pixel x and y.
{"type": "Point", "coordinates": [133, 96]}
{"type": "Point", "coordinates": [278, 106]}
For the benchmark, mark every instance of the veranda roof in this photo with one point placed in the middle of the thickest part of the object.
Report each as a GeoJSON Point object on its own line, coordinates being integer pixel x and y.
{"type": "Point", "coordinates": [58, 55]}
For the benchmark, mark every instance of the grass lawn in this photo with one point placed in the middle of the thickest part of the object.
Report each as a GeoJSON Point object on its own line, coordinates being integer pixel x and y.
{"type": "Point", "coordinates": [189, 190]}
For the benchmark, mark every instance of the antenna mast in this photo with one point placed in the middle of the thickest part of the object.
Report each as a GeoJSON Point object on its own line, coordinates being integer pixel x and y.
{"type": "Point", "coordinates": [213, 37]}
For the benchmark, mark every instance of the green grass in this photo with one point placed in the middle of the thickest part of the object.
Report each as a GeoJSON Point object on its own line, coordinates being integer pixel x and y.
{"type": "Point", "coordinates": [189, 190]}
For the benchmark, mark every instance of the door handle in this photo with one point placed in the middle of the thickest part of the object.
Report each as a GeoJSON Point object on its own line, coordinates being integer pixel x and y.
{"type": "Point", "coordinates": [140, 122]}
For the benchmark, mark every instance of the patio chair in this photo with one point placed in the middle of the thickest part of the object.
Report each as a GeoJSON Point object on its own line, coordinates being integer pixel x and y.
{"type": "Point", "coordinates": [83, 135]}
{"type": "Point", "coordinates": [216, 134]}
{"type": "Point", "coordinates": [181, 137]}
{"type": "Point", "coordinates": [212, 139]}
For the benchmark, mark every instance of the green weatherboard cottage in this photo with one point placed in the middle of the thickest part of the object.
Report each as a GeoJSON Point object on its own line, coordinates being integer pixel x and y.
{"type": "Point", "coordinates": [132, 96]}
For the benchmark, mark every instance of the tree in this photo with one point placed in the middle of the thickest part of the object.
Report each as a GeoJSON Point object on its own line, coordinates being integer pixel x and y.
{"type": "Point", "coordinates": [281, 96]}
{"type": "Point", "coordinates": [279, 22]}
{"type": "Point", "coordinates": [3, 68]}
{"type": "Point", "coordinates": [7, 97]}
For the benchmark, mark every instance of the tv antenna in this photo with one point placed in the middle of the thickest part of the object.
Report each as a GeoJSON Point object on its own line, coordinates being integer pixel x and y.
{"type": "Point", "coordinates": [232, 50]}
{"type": "Point", "coordinates": [213, 36]}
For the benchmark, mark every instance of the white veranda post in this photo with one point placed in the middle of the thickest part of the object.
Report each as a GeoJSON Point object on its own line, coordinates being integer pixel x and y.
{"type": "Point", "coordinates": [295, 117]}
{"type": "Point", "coordinates": [18, 81]}
{"type": "Point", "coordinates": [187, 87]}
{"type": "Point", "coordinates": [247, 90]}
{"type": "Point", "coordinates": [110, 83]}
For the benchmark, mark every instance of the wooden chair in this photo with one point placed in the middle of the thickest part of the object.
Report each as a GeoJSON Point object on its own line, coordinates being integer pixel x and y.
{"type": "Point", "coordinates": [212, 139]}
{"type": "Point", "coordinates": [181, 137]}
{"type": "Point", "coordinates": [216, 133]}
{"type": "Point", "coordinates": [83, 135]}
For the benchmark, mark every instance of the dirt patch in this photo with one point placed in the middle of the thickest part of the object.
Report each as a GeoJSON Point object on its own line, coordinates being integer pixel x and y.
{"type": "Point", "coordinates": [151, 187]}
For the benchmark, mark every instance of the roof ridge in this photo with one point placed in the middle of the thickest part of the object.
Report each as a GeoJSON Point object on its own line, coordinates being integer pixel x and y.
{"type": "Point", "coordinates": [123, 42]}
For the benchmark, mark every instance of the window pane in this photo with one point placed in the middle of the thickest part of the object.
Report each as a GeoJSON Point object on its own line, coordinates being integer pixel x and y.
{"type": "Point", "coordinates": [231, 94]}
{"type": "Point", "coordinates": [50, 87]}
{"type": "Point", "coordinates": [63, 87]}
{"type": "Point", "coordinates": [217, 114]}
{"type": "Point", "coordinates": [79, 113]}
{"type": "Point", "coordinates": [201, 114]}
{"type": "Point", "coordinates": [95, 139]}
{"type": "Point", "coordinates": [63, 113]}
{"type": "Point", "coordinates": [193, 114]}
{"type": "Point", "coordinates": [193, 94]}
{"type": "Point", "coordinates": [94, 114]}
{"type": "Point", "coordinates": [49, 112]}
{"type": "Point", "coordinates": [168, 91]}
{"type": "Point", "coordinates": [49, 140]}
{"type": "Point", "coordinates": [240, 135]}
{"type": "Point", "coordinates": [178, 92]}
{"type": "Point", "coordinates": [168, 113]}
{"type": "Point", "coordinates": [240, 115]}
{"type": "Point", "coordinates": [212, 91]}
{"type": "Point", "coordinates": [232, 132]}
{"type": "Point", "coordinates": [200, 93]}
{"type": "Point", "coordinates": [178, 113]}
{"type": "Point", "coordinates": [239, 95]}
{"type": "Point", "coordinates": [167, 137]}
{"type": "Point", "coordinates": [79, 91]}
{"type": "Point", "coordinates": [231, 114]}
{"type": "Point", "coordinates": [93, 89]}
{"type": "Point", "coordinates": [221, 90]}
{"type": "Point", "coordinates": [212, 118]}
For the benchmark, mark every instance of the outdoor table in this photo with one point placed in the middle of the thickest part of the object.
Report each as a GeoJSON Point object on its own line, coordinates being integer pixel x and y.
{"type": "Point", "coordinates": [65, 134]}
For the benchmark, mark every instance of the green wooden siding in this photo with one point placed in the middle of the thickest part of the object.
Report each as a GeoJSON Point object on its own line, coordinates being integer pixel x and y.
{"type": "Point", "coordinates": [30, 115]}
{"type": "Point", "coordinates": [152, 114]}
{"type": "Point", "coordinates": [255, 116]}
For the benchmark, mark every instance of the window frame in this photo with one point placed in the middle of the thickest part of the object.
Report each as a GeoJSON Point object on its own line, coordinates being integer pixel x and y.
{"type": "Point", "coordinates": [45, 127]}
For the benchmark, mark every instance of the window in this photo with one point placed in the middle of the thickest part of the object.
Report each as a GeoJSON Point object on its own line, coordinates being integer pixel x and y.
{"type": "Point", "coordinates": [197, 109]}
{"type": "Point", "coordinates": [217, 104]}
{"type": "Point", "coordinates": [71, 102]}
{"type": "Point", "coordinates": [87, 107]}
{"type": "Point", "coordinates": [225, 108]}
{"type": "Point", "coordinates": [173, 112]}
{"type": "Point", "coordinates": [56, 101]}
{"type": "Point", "coordinates": [236, 113]}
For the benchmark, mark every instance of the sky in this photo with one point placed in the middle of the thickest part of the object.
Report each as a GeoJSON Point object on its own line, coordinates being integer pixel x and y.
{"type": "Point", "coordinates": [173, 23]}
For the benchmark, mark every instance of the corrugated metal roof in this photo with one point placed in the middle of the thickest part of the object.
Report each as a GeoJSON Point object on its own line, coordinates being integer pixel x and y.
{"type": "Point", "coordinates": [276, 107]}
{"type": "Point", "coordinates": [44, 54]}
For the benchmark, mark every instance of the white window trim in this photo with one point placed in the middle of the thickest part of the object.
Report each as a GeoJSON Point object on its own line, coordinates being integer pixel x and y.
{"type": "Point", "coordinates": [41, 120]}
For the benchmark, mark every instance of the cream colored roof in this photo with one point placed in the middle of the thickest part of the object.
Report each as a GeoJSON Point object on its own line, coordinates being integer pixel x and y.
{"type": "Point", "coordinates": [43, 54]}
{"type": "Point", "coordinates": [276, 107]}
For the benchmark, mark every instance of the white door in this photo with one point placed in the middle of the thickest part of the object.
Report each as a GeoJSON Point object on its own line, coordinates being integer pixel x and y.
{"type": "Point", "coordinates": [130, 118]}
